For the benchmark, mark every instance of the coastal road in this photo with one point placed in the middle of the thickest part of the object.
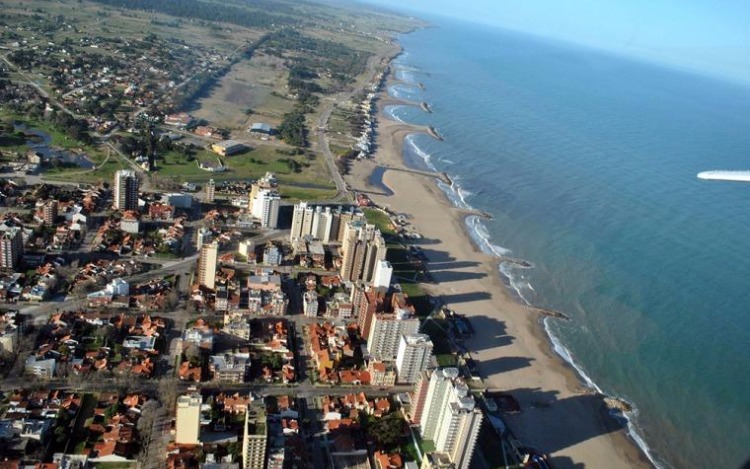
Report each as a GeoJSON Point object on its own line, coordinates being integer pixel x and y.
{"type": "Point", "coordinates": [324, 148]}
{"type": "Point", "coordinates": [322, 125]}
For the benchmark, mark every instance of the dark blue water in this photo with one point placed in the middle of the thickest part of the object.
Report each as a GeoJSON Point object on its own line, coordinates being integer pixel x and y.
{"type": "Point", "coordinates": [588, 163]}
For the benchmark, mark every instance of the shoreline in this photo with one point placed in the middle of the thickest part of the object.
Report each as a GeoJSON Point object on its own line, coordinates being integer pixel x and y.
{"type": "Point", "coordinates": [561, 416]}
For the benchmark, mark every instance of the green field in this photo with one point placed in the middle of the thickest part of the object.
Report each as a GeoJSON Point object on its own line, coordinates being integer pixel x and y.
{"type": "Point", "coordinates": [381, 220]}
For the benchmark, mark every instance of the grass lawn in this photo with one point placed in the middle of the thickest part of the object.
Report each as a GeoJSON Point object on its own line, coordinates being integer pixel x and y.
{"type": "Point", "coordinates": [103, 172]}
{"type": "Point", "coordinates": [446, 359]}
{"type": "Point", "coordinates": [251, 164]}
{"type": "Point", "coordinates": [296, 193]}
{"type": "Point", "coordinates": [381, 220]}
{"type": "Point", "coordinates": [409, 450]}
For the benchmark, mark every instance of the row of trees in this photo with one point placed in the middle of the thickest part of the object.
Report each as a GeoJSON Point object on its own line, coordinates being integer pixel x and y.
{"type": "Point", "coordinates": [221, 12]}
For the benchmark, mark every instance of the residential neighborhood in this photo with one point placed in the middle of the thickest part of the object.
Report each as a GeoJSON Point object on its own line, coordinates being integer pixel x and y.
{"type": "Point", "coordinates": [186, 281]}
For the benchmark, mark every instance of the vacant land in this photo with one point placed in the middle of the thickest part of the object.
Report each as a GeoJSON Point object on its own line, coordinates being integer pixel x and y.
{"type": "Point", "coordinates": [229, 64]}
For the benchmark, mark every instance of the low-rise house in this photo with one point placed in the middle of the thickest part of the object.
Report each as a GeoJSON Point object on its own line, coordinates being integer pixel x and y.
{"type": "Point", "coordinates": [382, 373]}
{"type": "Point", "coordinates": [201, 334]}
{"type": "Point", "coordinates": [130, 222]}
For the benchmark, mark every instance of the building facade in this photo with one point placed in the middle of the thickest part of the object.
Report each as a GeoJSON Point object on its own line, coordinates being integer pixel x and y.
{"type": "Point", "coordinates": [49, 212]}
{"type": "Point", "coordinates": [450, 417]}
{"type": "Point", "coordinates": [265, 207]}
{"type": "Point", "coordinates": [254, 441]}
{"type": "Point", "coordinates": [210, 194]}
{"type": "Point", "coordinates": [11, 247]}
{"type": "Point", "coordinates": [188, 420]}
{"type": "Point", "coordinates": [413, 357]}
{"type": "Point", "coordinates": [207, 265]}
{"type": "Point", "coordinates": [362, 248]}
{"type": "Point", "coordinates": [126, 190]}
{"type": "Point", "coordinates": [385, 333]}
{"type": "Point", "coordinates": [310, 303]}
{"type": "Point", "coordinates": [323, 223]}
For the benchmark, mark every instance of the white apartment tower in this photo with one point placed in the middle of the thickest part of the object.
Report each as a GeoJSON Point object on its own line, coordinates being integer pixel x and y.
{"type": "Point", "coordinates": [414, 354]}
{"type": "Point", "coordinates": [265, 207]}
{"type": "Point", "coordinates": [386, 331]}
{"type": "Point", "coordinates": [126, 190]}
{"type": "Point", "coordinates": [383, 274]}
{"type": "Point", "coordinates": [188, 421]}
{"type": "Point", "coordinates": [210, 192]}
{"type": "Point", "coordinates": [207, 261]}
{"type": "Point", "coordinates": [450, 417]}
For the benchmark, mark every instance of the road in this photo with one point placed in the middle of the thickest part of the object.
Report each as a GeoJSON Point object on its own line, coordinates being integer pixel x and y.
{"type": "Point", "coordinates": [322, 125]}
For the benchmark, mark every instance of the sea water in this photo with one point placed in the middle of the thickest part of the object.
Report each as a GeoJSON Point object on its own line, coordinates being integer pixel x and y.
{"type": "Point", "coordinates": [588, 163]}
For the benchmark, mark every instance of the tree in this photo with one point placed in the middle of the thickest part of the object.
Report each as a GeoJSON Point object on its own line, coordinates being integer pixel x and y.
{"type": "Point", "coordinates": [172, 299]}
{"type": "Point", "coordinates": [388, 430]}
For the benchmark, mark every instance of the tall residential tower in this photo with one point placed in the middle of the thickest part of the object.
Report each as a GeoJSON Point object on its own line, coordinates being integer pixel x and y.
{"type": "Point", "coordinates": [126, 190]}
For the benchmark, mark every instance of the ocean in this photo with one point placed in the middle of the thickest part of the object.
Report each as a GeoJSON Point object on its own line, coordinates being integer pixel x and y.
{"type": "Point", "coordinates": [587, 163]}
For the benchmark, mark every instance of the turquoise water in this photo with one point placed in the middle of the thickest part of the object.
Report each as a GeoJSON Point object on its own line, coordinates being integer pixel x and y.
{"type": "Point", "coordinates": [588, 163]}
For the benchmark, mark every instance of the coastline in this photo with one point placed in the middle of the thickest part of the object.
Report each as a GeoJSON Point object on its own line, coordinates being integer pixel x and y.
{"type": "Point", "coordinates": [561, 416]}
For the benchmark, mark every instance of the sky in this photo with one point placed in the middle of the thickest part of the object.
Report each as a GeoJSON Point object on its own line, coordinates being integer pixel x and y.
{"type": "Point", "coordinates": [708, 36]}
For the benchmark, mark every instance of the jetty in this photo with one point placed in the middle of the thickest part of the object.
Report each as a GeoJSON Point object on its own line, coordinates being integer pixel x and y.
{"type": "Point", "coordinates": [472, 212]}
{"type": "Point", "coordinates": [442, 176]}
{"type": "Point", "coordinates": [434, 133]}
{"type": "Point", "coordinates": [551, 313]}
{"type": "Point", "coordinates": [517, 262]}
{"type": "Point", "coordinates": [426, 107]}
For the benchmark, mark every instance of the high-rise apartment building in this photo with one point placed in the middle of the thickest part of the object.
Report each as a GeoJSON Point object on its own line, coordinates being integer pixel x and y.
{"type": "Point", "coordinates": [203, 237]}
{"type": "Point", "coordinates": [324, 219]}
{"type": "Point", "coordinates": [49, 212]}
{"type": "Point", "coordinates": [310, 303]}
{"type": "Point", "coordinates": [11, 246]}
{"type": "Point", "coordinates": [265, 207]}
{"type": "Point", "coordinates": [418, 397]}
{"type": "Point", "coordinates": [344, 217]}
{"type": "Point", "coordinates": [383, 274]}
{"type": "Point", "coordinates": [450, 417]}
{"type": "Point", "coordinates": [207, 260]}
{"type": "Point", "coordinates": [254, 441]}
{"type": "Point", "coordinates": [413, 356]}
{"type": "Point", "coordinates": [210, 194]}
{"type": "Point", "coordinates": [267, 182]}
{"type": "Point", "coordinates": [323, 223]}
{"type": "Point", "coordinates": [386, 331]}
{"type": "Point", "coordinates": [362, 248]}
{"type": "Point", "coordinates": [367, 302]}
{"type": "Point", "coordinates": [188, 421]}
{"type": "Point", "coordinates": [126, 190]}
{"type": "Point", "coordinates": [298, 219]}
{"type": "Point", "coordinates": [376, 251]}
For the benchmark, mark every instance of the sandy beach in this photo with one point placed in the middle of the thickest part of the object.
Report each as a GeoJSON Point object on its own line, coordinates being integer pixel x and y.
{"type": "Point", "coordinates": [559, 415]}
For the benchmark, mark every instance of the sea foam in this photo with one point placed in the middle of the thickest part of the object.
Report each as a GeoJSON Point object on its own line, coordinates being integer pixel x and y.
{"type": "Point", "coordinates": [391, 113]}
{"type": "Point", "coordinates": [629, 417]}
{"type": "Point", "coordinates": [426, 157]}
